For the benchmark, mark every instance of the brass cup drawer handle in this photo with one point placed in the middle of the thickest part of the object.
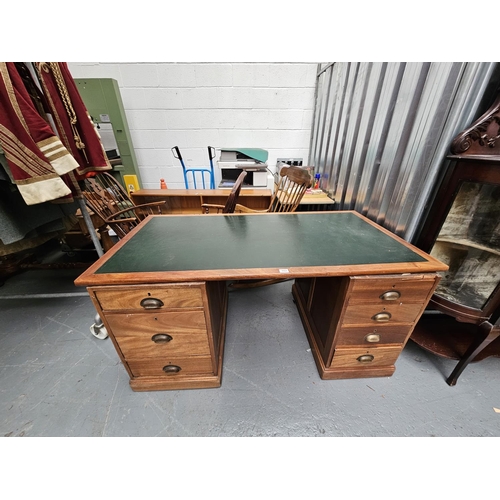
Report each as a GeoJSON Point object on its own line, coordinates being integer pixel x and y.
{"type": "Point", "coordinates": [151, 303]}
{"type": "Point", "coordinates": [381, 317]}
{"type": "Point", "coordinates": [372, 337]}
{"type": "Point", "coordinates": [390, 295]}
{"type": "Point", "coordinates": [365, 358]}
{"type": "Point", "coordinates": [171, 369]}
{"type": "Point", "coordinates": [161, 338]}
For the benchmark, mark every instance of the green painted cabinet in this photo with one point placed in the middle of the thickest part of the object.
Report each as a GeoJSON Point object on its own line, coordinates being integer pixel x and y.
{"type": "Point", "coordinates": [104, 103]}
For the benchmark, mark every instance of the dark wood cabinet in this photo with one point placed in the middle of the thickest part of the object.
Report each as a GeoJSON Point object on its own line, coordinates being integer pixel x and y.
{"type": "Point", "coordinates": [463, 231]}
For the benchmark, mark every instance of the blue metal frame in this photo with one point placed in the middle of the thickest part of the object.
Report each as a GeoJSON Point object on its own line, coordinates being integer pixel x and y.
{"type": "Point", "coordinates": [211, 155]}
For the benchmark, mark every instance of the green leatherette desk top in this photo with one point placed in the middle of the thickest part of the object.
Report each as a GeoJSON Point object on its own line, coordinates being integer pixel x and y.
{"type": "Point", "coordinates": [173, 248]}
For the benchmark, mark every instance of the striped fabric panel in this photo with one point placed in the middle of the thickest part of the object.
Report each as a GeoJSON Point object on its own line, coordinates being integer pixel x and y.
{"type": "Point", "coordinates": [22, 157]}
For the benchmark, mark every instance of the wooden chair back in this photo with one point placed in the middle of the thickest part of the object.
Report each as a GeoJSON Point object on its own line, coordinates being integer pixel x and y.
{"type": "Point", "coordinates": [231, 201]}
{"type": "Point", "coordinates": [106, 197]}
{"type": "Point", "coordinates": [289, 190]}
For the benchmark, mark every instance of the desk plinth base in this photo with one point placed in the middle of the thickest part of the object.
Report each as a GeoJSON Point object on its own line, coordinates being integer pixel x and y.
{"type": "Point", "coordinates": [176, 382]}
{"type": "Point", "coordinates": [327, 372]}
{"type": "Point", "coordinates": [153, 384]}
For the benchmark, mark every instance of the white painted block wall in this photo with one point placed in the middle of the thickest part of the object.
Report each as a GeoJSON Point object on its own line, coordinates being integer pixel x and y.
{"type": "Point", "coordinates": [224, 105]}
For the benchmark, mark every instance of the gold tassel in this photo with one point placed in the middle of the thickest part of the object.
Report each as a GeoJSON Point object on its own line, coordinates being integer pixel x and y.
{"type": "Point", "coordinates": [63, 91]}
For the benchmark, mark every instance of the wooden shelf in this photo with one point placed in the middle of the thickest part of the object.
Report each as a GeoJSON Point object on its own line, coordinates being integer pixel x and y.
{"type": "Point", "coordinates": [317, 199]}
{"type": "Point", "coordinates": [448, 338]}
{"type": "Point", "coordinates": [189, 201]}
{"type": "Point", "coordinates": [462, 242]}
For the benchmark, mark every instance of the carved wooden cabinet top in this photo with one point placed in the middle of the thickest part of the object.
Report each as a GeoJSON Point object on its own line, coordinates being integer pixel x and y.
{"type": "Point", "coordinates": [482, 139]}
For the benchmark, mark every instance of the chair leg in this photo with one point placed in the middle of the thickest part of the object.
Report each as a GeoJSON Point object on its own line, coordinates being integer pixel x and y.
{"type": "Point", "coordinates": [106, 241]}
{"type": "Point", "coordinates": [487, 334]}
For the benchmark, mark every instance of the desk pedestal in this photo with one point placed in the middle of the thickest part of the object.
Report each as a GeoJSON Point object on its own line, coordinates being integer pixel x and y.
{"type": "Point", "coordinates": [168, 336]}
{"type": "Point", "coordinates": [171, 336]}
{"type": "Point", "coordinates": [358, 325]}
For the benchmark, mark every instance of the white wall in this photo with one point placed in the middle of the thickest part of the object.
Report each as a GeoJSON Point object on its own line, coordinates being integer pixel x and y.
{"type": "Point", "coordinates": [195, 105]}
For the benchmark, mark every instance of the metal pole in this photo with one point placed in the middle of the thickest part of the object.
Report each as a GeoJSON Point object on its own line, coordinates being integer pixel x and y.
{"type": "Point", "coordinates": [90, 227]}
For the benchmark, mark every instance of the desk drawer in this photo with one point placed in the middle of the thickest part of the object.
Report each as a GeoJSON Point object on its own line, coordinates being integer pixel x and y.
{"type": "Point", "coordinates": [372, 335]}
{"type": "Point", "coordinates": [391, 289]}
{"type": "Point", "coordinates": [140, 335]}
{"type": "Point", "coordinates": [373, 314]}
{"type": "Point", "coordinates": [361, 357]}
{"type": "Point", "coordinates": [149, 297]}
{"type": "Point", "coordinates": [179, 366]}
{"type": "Point", "coordinates": [163, 344]}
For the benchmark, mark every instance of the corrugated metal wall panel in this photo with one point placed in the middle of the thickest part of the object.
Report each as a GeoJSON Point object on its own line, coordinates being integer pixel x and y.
{"type": "Point", "coordinates": [381, 132]}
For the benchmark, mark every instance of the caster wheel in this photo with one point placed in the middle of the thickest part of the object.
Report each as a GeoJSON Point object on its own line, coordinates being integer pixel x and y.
{"type": "Point", "coordinates": [98, 329]}
{"type": "Point", "coordinates": [99, 332]}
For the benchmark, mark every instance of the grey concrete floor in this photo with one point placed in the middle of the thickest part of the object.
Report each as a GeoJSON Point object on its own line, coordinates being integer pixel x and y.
{"type": "Point", "coordinates": [57, 379]}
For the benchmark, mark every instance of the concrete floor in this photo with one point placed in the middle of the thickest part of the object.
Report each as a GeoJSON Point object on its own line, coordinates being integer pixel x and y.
{"type": "Point", "coordinates": [57, 379]}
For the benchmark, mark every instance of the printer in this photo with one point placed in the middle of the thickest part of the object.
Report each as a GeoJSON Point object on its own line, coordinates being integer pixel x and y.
{"type": "Point", "coordinates": [233, 161]}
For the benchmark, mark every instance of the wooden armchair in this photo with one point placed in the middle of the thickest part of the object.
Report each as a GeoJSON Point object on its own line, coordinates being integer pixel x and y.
{"type": "Point", "coordinates": [288, 191]}
{"type": "Point", "coordinates": [106, 197]}
{"type": "Point", "coordinates": [232, 199]}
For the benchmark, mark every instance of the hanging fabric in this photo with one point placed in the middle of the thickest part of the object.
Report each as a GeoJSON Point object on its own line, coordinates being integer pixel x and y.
{"type": "Point", "coordinates": [30, 80]}
{"type": "Point", "coordinates": [35, 156]}
{"type": "Point", "coordinates": [74, 125]}
{"type": "Point", "coordinates": [48, 137]}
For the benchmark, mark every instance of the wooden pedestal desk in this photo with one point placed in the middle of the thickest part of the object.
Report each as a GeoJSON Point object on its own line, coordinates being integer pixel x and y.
{"type": "Point", "coordinates": [162, 291]}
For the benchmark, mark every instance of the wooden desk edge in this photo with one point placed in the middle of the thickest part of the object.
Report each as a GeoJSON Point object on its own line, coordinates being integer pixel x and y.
{"type": "Point", "coordinates": [88, 278]}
